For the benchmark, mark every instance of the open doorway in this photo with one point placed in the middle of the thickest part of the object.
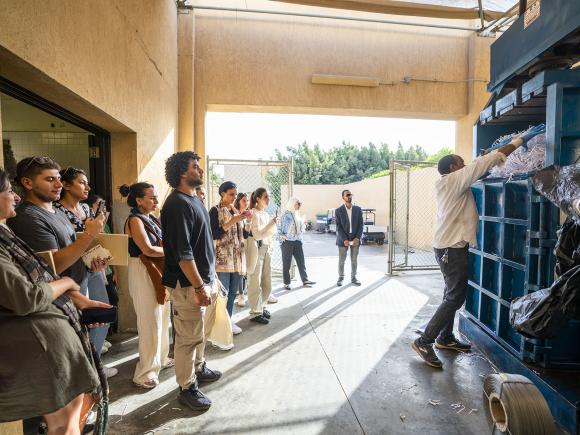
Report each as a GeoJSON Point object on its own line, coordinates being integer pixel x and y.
{"type": "Point", "coordinates": [32, 126]}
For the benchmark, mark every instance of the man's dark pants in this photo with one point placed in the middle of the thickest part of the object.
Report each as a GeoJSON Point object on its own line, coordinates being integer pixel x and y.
{"type": "Point", "coordinates": [454, 265]}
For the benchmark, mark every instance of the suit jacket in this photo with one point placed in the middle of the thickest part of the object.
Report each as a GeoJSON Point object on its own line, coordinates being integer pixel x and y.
{"type": "Point", "coordinates": [342, 225]}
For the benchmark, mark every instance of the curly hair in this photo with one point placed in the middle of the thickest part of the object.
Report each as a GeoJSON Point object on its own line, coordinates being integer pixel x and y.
{"type": "Point", "coordinates": [177, 165]}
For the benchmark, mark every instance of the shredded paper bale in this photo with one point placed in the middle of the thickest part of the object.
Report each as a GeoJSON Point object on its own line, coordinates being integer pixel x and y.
{"type": "Point", "coordinates": [522, 161]}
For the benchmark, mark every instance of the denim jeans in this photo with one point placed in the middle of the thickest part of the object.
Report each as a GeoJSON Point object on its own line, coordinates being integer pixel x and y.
{"type": "Point", "coordinates": [232, 281]}
{"type": "Point", "coordinates": [94, 287]}
{"type": "Point", "coordinates": [454, 264]}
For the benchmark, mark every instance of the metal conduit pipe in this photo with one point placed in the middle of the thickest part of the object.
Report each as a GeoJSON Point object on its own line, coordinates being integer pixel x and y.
{"type": "Point", "coordinates": [182, 5]}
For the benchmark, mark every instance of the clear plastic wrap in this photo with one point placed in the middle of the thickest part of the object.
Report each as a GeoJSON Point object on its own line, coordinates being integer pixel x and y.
{"type": "Point", "coordinates": [561, 185]}
{"type": "Point", "coordinates": [522, 161]}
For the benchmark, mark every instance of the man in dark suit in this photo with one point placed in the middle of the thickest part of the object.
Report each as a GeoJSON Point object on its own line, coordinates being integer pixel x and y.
{"type": "Point", "coordinates": [349, 230]}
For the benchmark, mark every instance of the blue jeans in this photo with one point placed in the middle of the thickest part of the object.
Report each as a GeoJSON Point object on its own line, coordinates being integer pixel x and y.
{"type": "Point", "coordinates": [232, 281]}
{"type": "Point", "coordinates": [94, 287]}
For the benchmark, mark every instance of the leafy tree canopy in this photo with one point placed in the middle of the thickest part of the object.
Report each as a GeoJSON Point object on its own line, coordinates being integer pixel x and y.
{"type": "Point", "coordinates": [348, 163]}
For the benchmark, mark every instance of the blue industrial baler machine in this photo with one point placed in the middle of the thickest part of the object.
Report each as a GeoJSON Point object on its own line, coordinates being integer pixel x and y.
{"type": "Point", "coordinates": [532, 81]}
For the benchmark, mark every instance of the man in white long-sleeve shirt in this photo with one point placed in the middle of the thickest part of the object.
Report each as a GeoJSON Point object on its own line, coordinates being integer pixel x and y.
{"type": "Point", "coordinates": [455, 230]}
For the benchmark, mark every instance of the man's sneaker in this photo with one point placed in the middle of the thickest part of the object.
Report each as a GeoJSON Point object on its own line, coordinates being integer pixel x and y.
{"type": "Point", "coordinates": [427, 353]}
{"type": "Point", "coordinates": [194, 398]}
{"type": "Point", "coordinates": [206, 375]}
{"type": "Point", "coordinates": [339, 282]}
{"type": "Point", "coordinates": [355, 282]}
{"type": "Point", "coordinates": [110, 371]}
{"type": "Point", "coordinates": [287, 287]}
{"type": "Point", "coordinates": [260, 319]}
{"type": "Point", "coordinates": [272, 299]}
{"type": "Point", "coordinates": [241, 301]}
{"type": "Point", "coordinates": [308, 283]}
{"type": "Point", "coordinates": [453, 343]}
{"type": "Point", "coordinates": [236, 329]}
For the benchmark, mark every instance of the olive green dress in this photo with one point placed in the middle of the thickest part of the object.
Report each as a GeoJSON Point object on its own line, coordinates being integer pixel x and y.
{"type": "Point", "coordinates": [42, 362]}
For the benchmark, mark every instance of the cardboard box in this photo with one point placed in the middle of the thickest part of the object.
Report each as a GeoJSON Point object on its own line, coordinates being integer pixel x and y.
{"type": "Point", "coordinates": [117, 244]}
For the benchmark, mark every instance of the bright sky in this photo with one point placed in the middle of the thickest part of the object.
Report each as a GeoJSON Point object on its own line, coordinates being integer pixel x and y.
{"type": "Point", "coordinates": [257, 135]}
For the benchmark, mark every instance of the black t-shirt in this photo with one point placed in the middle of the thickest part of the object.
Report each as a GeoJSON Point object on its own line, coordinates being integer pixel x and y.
{"type": "Point", "coordinates": [186, 236]}
{"type": "Point", "coordinates": [46, 231]}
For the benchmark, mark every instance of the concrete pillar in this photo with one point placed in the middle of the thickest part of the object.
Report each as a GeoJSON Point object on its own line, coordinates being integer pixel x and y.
{"type": "Point", "coordinates": [186, 70]}
{"type": "Point", "coordinates": [477, 95]}
{"type": "Point", "coordinates": [124, 170]}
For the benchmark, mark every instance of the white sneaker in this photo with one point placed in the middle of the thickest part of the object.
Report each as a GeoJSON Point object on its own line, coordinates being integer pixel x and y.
{"type": "Point", "coordinates": [221, 347]}
{"type": "Point", "coordinates": [104, 349]}
{"type": "Point", "coordinates": [272, 299]}
{"type": "Point", "coordinates": [241, 301]}
{"type": "Point", "coordinates": [107, 345]}
{"type": "Point", "coordinates": [236, 329]}
{"type": "Point", "coordinates": [110, 371]}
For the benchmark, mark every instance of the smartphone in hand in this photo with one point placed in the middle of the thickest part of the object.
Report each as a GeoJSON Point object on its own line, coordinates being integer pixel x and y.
{"type": "Point", "coordinates": [100, 208]}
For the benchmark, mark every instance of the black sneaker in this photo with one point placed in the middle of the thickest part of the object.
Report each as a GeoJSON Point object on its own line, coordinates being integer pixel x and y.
{"type": "Point", "coordinates": [194, 399]}
{"type": "Point", "coordinates": [356, 282]}
{"type": "Point", "coordinates": [266, 314]}
{"type": "Point", "coordinates": [260, 319]}
{"type": "Point", "coordinates": [453, 343]}
{"type": "Point", "coordinates": [427, 353]}
{"type": "Point", "coordinates": [339, 282]}
{"type": "Point", "coordinates": [206, 375]}
{"type": "Point", "coordinates": [308, 283]}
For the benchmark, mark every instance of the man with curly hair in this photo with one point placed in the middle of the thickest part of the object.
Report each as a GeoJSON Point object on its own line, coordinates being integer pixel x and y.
{"type": "Point", "coordinates": [189, 273]}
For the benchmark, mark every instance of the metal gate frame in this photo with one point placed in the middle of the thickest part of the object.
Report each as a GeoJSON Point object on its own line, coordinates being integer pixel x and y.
{"type": "Point", "coordinates": [210, 162]}
{"type": "Point", "coordinates": [268, 163]}
{"type": "Point", "coordinates": [395, 165]}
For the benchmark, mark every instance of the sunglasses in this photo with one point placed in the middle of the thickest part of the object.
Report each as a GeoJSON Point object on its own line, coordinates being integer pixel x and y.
{"type": "Point", "coordinates": [39, 160]}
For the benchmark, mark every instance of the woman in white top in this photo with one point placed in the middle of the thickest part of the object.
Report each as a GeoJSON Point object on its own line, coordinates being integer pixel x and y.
{"type": "Point", "coordinates": [259, 265]}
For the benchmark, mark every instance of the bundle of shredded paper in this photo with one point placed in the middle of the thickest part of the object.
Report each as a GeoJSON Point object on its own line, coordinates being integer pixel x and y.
{"type": "Point", "coordinates": [522, 160]}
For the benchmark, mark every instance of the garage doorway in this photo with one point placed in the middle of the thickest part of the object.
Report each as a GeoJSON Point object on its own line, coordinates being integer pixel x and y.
{"type": "Point", "coordinates": [33, 126]}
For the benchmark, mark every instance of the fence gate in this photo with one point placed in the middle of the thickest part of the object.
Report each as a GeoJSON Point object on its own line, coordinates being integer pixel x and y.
{"type": "Point", "coordinates": [276, 176]}
{"type": "Point", "coordinates": [412, 213]}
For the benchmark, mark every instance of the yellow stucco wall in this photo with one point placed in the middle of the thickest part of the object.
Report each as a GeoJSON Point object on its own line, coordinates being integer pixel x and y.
{"type": "Point", "coordinates": [246, 62]}
{"type": "Point", "coordinates": [112, 62]}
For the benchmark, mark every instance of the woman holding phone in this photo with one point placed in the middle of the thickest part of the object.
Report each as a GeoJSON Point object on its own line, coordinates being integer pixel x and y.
{"type": "Point", "coordinates": [242, 204]}
{"type": "Point", "coordinates": [75, 188]}
{"type": "Point", "coordinates": [260, 273]}
{"type": "Point", "coordinates": [228, 235]}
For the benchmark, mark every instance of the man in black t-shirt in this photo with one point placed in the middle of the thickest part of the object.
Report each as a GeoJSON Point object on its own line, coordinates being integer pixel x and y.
{"type": "Point", "coordinates": [189, 272]}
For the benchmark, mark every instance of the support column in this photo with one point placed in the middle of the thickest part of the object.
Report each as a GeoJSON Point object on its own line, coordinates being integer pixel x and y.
{"type": "Point", "coordinates": [186, 71]}
{"type": "Point", "coordinates": [477, 95]}
{"type": "Point", "coordinates": [1, 143]}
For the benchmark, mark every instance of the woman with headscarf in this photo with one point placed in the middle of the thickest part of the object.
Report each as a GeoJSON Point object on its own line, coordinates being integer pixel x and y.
{"type": "Point", "coordinates": [291, 231]}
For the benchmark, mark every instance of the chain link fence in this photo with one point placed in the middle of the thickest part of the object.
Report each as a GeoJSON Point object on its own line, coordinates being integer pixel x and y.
{"type": "Point", "coordinates": [412, 215]}
{"type": "Point", "coordinates": [276, 176]}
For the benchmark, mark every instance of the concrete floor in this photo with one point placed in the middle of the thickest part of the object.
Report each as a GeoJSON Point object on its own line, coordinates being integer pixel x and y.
{"type": "Point", "coordinates": [332, 361]}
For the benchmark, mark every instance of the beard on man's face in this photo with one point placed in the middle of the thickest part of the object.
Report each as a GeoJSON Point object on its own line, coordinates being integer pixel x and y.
{"type": "Point", "coordinates": [194, 182]}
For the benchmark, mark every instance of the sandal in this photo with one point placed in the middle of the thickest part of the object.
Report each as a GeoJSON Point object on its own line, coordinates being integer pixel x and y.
{"type": "Point", "coordinates": [148, 384]}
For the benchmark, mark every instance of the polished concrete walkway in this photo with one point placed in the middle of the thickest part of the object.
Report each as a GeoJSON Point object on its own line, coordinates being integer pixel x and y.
{"type": "Point", "coordinates": [332, 361]}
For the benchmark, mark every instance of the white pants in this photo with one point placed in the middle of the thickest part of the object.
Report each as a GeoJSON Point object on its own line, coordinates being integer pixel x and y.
{"type": "Point", "coordinates": [260, 282]}
{"type": "Point", "coordinates": [152, 323]}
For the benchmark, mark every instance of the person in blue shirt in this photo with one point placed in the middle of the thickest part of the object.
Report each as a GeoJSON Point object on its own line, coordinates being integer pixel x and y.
{"type": "Point", "coordinates": [292, 228]}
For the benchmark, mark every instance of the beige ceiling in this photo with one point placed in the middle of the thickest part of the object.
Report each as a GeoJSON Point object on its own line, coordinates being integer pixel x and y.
{"type": "Point", "coordinates": [451, 9]}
